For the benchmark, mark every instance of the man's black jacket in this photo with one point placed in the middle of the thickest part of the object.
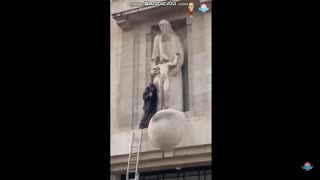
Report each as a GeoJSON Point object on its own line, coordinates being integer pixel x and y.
{"type": "Point", "coordinates": [150, 102]}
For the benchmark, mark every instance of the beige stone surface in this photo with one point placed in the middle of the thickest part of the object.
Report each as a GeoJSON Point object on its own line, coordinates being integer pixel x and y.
{"type": "Point", "coordinates": [157, 154]}
{"type": "Point", "coordinates": [115, 35]}
{"type": "Point", "coordinates": [167, 163]}
{"type": "Point", "coordinates": [157, 160]}
{"type": "Point", "coordinates": [198, 132]}
{"type": "Point", "coordinates": [114, 176]}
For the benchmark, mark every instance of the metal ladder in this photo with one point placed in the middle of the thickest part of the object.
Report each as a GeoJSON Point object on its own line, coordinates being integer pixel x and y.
{"type": "Point", "coordinates": [133, 164]}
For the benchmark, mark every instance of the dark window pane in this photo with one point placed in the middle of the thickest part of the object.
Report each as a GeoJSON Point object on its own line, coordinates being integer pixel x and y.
{"type": "Point", "coordinates": [151, 177]}
{"type": "Point", "coordinates": [172, 178]}
{"type": "Point", "coordinates": [191, 178]}
{"type": "Point", "coordinates": [123, 177]}
{"type": "Point", "coordinates": [196, 174]}
{"type": "Point", "coordinates": [171, 175]}
{"type": "Point", "coordinates": [202, 177]}
{"type": "Point", "coordinates": [191, 173]}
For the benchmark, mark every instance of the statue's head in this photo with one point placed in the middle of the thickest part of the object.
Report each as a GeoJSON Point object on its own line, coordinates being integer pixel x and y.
{"type": "Point", "coordinates": [165, 27]}
{"type": "Point", "coordinates": [163, 58]}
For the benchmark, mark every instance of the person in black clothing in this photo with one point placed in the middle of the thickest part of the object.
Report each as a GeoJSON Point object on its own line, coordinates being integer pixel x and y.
{"type": "Point", "coordinates": [150, 105]}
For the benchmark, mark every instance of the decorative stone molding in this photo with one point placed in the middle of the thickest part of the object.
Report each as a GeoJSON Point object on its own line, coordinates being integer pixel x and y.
{"type": "Point", "coordinates": [122, 21]}
{"type": "Point", "coordinates": [157, 160]}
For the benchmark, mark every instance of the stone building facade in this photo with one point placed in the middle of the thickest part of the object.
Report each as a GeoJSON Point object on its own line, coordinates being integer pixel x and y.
{"type": "Point", "coordinates": [132, 32]}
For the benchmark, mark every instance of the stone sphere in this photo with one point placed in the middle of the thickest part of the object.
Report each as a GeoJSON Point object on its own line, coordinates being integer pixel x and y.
{"type": "Point", "coordinates": [167, 128]}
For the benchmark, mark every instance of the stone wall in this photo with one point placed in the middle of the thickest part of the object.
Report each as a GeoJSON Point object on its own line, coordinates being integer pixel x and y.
{"type": "Point", "coordinates": [115, 35]}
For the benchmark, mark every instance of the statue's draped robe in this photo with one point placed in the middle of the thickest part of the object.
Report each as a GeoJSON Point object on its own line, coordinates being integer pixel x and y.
{"type": "Point", "coordinates": [170, 44]}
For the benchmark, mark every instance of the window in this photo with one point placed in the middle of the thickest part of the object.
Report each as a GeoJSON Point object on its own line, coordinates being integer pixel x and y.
{"type": "Point", "coordinates": [192, 175]}
{"type": "Point", "coordinates": [151, 177]}
{"type": "Point", "coordinates": [195, 173]}
{"type": "Point", "coordinates": [171, 176]}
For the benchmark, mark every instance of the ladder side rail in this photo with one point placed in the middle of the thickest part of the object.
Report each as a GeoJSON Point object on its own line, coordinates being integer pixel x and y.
{"type": "Point", "coordinates": [129, 158]}
{"type": "Point", "coordinates": [138, 156]}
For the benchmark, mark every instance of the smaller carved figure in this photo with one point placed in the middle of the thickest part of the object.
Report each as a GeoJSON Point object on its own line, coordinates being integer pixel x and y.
{"type": "Point", "coordinates": [164, 81]}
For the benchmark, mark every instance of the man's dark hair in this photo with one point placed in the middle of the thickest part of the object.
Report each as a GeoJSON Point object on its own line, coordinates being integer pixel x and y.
{"type": "Point", "coordinates": [147, 90]}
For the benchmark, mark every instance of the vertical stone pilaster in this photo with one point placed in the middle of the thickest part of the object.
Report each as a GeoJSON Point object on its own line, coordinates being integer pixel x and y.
{"type": "Point", "coordinates": [148, 57]}
{"type": "Point", "coordinates": [126, 81]}
{"type": "Point", "coordinates": [208, 71]}
{"type": "Point", "coordinates": [135, 94]}
{"type": "Point", "coordinates": [115, 74]}
{"type": "Point", "coordinates": [190, 64]}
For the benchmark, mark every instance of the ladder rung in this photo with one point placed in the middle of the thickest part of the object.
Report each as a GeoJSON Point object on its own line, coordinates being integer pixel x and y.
{"type": "Point", "coordinates": [134, 162]}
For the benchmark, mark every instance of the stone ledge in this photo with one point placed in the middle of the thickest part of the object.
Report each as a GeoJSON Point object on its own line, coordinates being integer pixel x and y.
{"type": "Point", "coordinates": [122, 22]}
{"type": "Point", "coordinates": [154, 155]}
{"type": "Point", "coordinates": [198, 133]}
{"type": "Point", "coordinates": [143, 156]}
{"type": "Point", "coordinates": [166, 163]}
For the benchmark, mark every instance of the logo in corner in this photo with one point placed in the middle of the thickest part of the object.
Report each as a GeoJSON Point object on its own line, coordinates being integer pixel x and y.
{"type": "Point", "coordinates": [307, 166]}
{"type": "Point", "coordinates": [203, 8]}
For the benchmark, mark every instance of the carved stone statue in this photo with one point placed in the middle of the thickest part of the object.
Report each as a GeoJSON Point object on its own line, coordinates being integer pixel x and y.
{"type": "Point", "coordinates": [167, 60]}
{"type": "Point", "coordinates": [164, 82]}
